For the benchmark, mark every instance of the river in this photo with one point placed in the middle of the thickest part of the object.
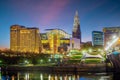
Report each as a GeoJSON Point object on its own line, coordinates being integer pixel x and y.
{"type": "Point", "coordinates": [37, 75]}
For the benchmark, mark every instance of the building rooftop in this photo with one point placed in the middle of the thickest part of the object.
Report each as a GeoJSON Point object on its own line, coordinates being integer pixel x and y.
{"type": "Point", "coordinates": [57, 29]}
{"type": "Point", "coordinates": [111, 27]}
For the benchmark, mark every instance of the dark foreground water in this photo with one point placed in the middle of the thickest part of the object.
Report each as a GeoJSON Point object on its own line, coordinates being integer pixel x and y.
{"type": "Point", "coordinates": [37, 75]}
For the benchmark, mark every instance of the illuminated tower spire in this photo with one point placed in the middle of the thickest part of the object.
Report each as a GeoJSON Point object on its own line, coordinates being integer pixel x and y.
{"type": "Point", "coordinates": [76, 33]}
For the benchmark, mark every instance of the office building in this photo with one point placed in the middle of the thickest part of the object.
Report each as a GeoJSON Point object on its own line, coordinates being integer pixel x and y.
{"type": "Point", "coordinates": [97, 38]}
{"type": "Point", "coordinates": [55, 41]}
{"type": "Point", "coordinates": [110, 33]}
{"type": "Point", "coordinates": [24, 39]}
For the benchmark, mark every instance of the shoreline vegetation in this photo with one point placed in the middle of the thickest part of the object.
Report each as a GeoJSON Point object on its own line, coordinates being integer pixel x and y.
{"type": "Point", "coordinates": [45, 62]}
{"type": "Point", "coordinates": [68, 68]}
{"type": "Point", "coordinates": [94, 68]}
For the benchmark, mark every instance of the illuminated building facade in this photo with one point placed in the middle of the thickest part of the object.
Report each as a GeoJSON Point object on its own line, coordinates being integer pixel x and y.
{"type": "Point", "coordinates": [76, 33]}
{"type": "Point", "coordinates": [75, 41]}
{"type": "Point", "coordinates": [24, 39]}
{"type": "Point", "coordinates": [55, 40]}
{"type": "Point", "coordinates": [97, 38]}
{"type": "Point", "coordinates": [110, 33]}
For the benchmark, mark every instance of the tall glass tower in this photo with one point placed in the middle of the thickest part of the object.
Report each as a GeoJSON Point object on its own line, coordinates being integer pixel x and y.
{"type": "Point", "coordinates": [76, 33]}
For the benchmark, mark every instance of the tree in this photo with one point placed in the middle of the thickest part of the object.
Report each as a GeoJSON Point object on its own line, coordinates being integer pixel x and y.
{"type": "Point", "coordinates": [86, 45]}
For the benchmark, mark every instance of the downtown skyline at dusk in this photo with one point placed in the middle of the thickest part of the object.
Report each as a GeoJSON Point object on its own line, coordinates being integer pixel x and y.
{"type": "Point", "coordinates": [94, 15]}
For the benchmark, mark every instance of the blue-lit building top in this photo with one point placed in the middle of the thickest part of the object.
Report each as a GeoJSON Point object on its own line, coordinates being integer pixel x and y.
{"type": "Point", "coordinates": [97, 38]}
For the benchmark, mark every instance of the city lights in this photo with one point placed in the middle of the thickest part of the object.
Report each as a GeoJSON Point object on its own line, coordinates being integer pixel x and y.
{"type": "Point", "coordinates": [41, 61]}
{"type": "Point", "coordinates": [90, 50]}
{"type": "Point", "coordinates": [111, 43]}
{"type": "Point", "coordinates": [26, 62]}
{"type": "Point", "coordinates": [0, 61]}
{"type": "Point", "coordinates": [51, 40]}
{"type": "Point", "coordinates": [49, 60]}
{"type": "Point", "coordinates": [114, 37]}
{"type": "Point", "coordinates": [84, 51]}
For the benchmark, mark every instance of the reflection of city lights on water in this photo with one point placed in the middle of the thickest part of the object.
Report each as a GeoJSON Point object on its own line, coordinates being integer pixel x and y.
{"type": "Point", "coordinates": [18, 76]}
{"type": "Point", "coordinates": [0, 75]}
{"type": "Point", "coordinates": [41, 76]}
{"type": "Point", "coordinates": [78, 77]}
{"type": "Point", "coordinates": [73, 77]}
{"type": "Point", "coordinates": [56, 77]}
{"type": "Point", "coordinates": [70, 78]}
{"type": "Point", "coordinates": [13, 78]}
{"type": "Point", "coordinates": [49, 77]}
{"type": "Point", "coordinates": [60, 77]}
{"type": "Point", "coordinates": [65, 77]}
{"type": "Point", "coordinates": [27, 76]}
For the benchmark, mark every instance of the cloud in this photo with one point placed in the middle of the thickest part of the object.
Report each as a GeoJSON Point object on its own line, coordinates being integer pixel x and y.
{"type": "Point", "coordinates": [53, 10]}
{"type": "Point", "coordinates": [42, 12]}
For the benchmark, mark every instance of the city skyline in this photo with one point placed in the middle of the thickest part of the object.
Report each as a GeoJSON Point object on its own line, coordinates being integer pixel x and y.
{"type": "Point", "coordinates": [45, 14]}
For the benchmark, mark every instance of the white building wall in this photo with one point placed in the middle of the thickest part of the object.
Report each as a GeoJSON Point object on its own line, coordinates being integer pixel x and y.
{"type": "Point", "coordinates": [74, 43]}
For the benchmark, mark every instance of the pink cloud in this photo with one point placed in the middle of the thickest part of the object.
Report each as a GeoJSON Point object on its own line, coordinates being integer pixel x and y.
{"type": "Point", "coordinates": [53, 10]}
{"type": "Point", "coordinates": [42, 11]}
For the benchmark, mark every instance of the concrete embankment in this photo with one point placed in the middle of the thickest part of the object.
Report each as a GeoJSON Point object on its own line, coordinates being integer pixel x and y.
{"type": "Point", "coordinates": [28, 68]}
{"type": "Point", "coordinates": [59, 68]}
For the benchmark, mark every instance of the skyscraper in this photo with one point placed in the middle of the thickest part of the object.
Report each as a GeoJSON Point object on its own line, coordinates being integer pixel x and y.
{"type": "Point", "coordinates": [76, 33]}
{"type": "Point", "coordinates": [75, 41]}
{"type": "Point", "coordinates": [97, 38]}
{"type": "Point", "coordinates": [110, 33]}
{"type": "Point", "coordinates": [24, 39]}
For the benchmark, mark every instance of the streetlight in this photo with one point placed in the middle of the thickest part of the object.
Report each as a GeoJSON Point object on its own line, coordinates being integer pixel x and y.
{"type": "Point", "coordinates": [26, 62]}
{"type": "Point", "coordinates": [0, 61]}
{"type": "Point", "coordinates": [41, 61]}
{"type": "Point", "coordinates": [49, 60]}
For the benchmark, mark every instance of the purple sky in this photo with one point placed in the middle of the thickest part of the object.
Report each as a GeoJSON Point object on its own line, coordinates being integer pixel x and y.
{"type": "Point", "coordinates": [47, 14]}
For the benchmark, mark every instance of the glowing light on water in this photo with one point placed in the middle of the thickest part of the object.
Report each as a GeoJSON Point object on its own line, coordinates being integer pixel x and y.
{"type": "Point", "coordinates": [41, 76]}
{"type": "Point", "coordinates": [0, 74]}
{"type": "Point", "coordinates": [49, 77]}
{"type": "Point", "coordinates": [60, 77]}
{"type": "Point", "coordinates": [27, 76]}
{"type": "Point", "coordinates": [56, 77]}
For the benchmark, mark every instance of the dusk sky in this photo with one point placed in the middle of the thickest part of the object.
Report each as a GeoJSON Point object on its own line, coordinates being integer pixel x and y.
{"type": "Point", "coordinates": [47, 14]}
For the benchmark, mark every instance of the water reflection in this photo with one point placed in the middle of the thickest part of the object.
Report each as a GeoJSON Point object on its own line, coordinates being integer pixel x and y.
{"type": "Point", "coordinates": [116, 76]}
{"type": "Point", "coordinates": [51, 76]}
{"type": "Point", "coordinates": [0, 76]}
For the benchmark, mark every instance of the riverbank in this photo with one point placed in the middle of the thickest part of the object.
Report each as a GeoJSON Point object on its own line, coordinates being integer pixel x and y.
{"type": "Point", "coordinates": [60, 68]}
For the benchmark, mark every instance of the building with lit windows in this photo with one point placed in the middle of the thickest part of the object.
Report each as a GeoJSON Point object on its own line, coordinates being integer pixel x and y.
{"type": "Point", "coordinates": [55, 41]}
{"type": "Point", "coordinates": [109, 34]}
{"type": "Point", "coordinates": [97, 38]}
{"type": "Point", "coordinates": [76, 32]}
{"type": "Point", "coordinates": [75, 41]}
{"type": "Point", "coordinates": [24, 39]}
